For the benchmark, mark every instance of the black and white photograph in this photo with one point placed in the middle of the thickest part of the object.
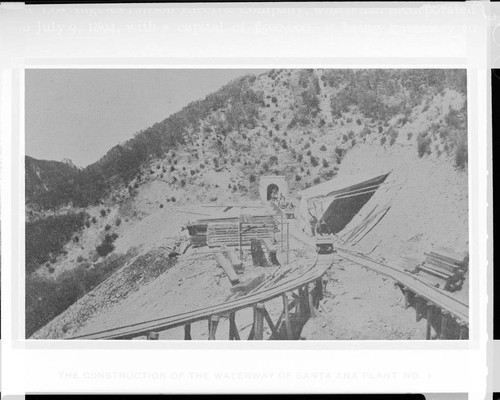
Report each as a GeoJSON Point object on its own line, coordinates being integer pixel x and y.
{"type": "Point", "coordinates": [246, 204]}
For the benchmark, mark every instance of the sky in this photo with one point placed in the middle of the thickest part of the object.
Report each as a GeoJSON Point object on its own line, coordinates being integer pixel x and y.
{"type": "Point", "coordinates": [81, 113]}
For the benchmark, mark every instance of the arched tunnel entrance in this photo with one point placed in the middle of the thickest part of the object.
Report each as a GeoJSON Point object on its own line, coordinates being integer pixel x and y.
{"type": "Point", "coordinates": [270, 189]}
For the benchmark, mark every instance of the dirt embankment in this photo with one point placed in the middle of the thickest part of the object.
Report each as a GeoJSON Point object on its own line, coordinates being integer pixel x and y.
{"type": "Point", "coordinates": [428, 201]}
{"type": "Point", "coordinates": [362, 305]}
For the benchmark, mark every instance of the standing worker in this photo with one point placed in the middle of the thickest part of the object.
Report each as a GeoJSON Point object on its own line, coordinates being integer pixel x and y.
{"type": "Point", "coordinates": [313, 222]}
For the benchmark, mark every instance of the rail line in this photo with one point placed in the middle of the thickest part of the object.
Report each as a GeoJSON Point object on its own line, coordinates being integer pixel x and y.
{"type": "Point", "coordinates": [448, 315]}
{"type": "Point", "coordinates": [311, 276]}
{"type": "Point", "coordinates": [428, 301]}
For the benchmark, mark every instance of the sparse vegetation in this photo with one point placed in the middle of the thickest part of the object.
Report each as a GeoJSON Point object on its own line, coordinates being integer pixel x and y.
{"type": "Point", "coordinates": [461, 154]}
{"type": "Point", "coordinates": [423, 145]}
{"type": "Point", "coordinates": [107, 245]}
{"type": "Point", "coordinates": [45, 238]}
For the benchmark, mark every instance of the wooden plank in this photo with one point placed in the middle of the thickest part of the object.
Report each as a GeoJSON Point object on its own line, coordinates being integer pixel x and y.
{"type": "Point", "coordinates": [187, 332]}
{"type": "Point", "coordinates": [228, 268]}
{"type": "Point", "coordinates": [269, 321]}
{"type": "Point", "coordinates": [235, 260]}
{"type": "Point", "coordinates": [288, 323]}
{"type": "Point", "coordinates": [430, 313]}
{"type": "Point", "coordinates": [433, 272]}
{"type": "Point", "coordinates": [438, 270]}
{"type": "Point", "coordinates": [447, 259]}
{"type": "Point", "coordinates": [445, 319]}
{"type": "Point", "coordinates": [258, 321]}
{"type": "Point", "coordinates": [213, 323]}
{"type": "Point", "coordinates": [233, 328]}
{"type": "Point", "coordinates": [439, 263]}
{"type": "Point", "coordinates": [310, 299]}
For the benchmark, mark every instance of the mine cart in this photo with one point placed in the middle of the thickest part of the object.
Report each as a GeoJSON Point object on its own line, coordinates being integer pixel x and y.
{"type": "Point", "coordinates": [324, 244]}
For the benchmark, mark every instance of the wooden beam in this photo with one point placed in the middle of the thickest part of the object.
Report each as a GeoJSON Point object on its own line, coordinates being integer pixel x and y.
{"type": "Point", "coordinates": [305, 311]}
{"type": "Point", "coordinates": [310, 299]}
{"type": "Point", "coordinates": [282, 315]}
{"type": "Point", "coordinates": [430, 313]}
{"type": "Point", "coordinates": [418, 307]}
{"type": "Point", "coordinates": [287, 317]}
{"type": "Point", "coordinates": [258, 321]}
{"type": "Point", "coordinates": [187, 332]}
{"type": "Point", "coordinates": [252, 333]}
{"type": "Point", "coordinates": [445, 315]}
{"type": "Point", "coordinates": [319, 289]}
{"type": "Point", "coordinates": [269, 321]}
{"type": "Point", "coordinates": [213, 323]}
{"type": "Point", "coordinates": [406, 294]}
{"type": "Point", "coordinates": [464, 331]}
{"type": "Point", "coordinates": [233, 329]}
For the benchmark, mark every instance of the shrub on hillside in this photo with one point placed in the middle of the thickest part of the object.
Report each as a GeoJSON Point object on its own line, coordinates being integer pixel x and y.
{"type": "Point", "coordinates": [314, 161]}
{"type": "Point", "coordinates": [366, 131]}
{"type": "Point", "coordinates": [107, 245]}
{"type": "Point", "coordinates": [423, 145]}
{"type": "Point", "coordinates": [382, 140]}
{"type": "Point", "coordinates": [461, 154]}
{"type": "Point", "coordinates": [47, 298]}
{"type": "Point", "coordinates": [46, 237]}
{"type": "Point", "coordinates": [323, 148]}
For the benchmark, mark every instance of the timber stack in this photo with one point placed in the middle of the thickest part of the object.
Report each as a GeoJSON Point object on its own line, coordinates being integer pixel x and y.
{"type": "Point", "coordinates": [443, 268]}
{"type": "Point", "coordinates": [240, 231]}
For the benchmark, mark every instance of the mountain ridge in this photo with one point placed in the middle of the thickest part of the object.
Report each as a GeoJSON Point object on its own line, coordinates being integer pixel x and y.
{"type": "Point", "coordinates": [309, 99]}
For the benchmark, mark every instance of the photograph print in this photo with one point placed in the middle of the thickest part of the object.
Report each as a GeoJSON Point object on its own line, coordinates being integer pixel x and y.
{"type": "Point", "coordinates": [246, 204]}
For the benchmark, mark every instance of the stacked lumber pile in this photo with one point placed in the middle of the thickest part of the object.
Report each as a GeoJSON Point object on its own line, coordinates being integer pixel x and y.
{"type": "Point", "coordinates": [227, 234]}
{"type": "Point", "coordinates": [224, 231]}
{"type": "Point", "coordinates": [445, 268]}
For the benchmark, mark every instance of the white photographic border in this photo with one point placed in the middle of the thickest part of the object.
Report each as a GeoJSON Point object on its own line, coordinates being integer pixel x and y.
{"type": "Point", "coordinates": [442, 36]}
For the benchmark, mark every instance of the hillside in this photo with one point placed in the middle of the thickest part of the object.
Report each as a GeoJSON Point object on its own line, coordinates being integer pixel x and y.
{"type": "Point", "coordinates": [309, 125]}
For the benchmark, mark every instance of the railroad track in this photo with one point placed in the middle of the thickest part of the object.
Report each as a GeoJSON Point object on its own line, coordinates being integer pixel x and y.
{"type": "Point", "coordinates": [440, 308]}
{"type": "Point", "coordinates": [310, 276]}
{"type": "Point", "coordinates": [433, 298]}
